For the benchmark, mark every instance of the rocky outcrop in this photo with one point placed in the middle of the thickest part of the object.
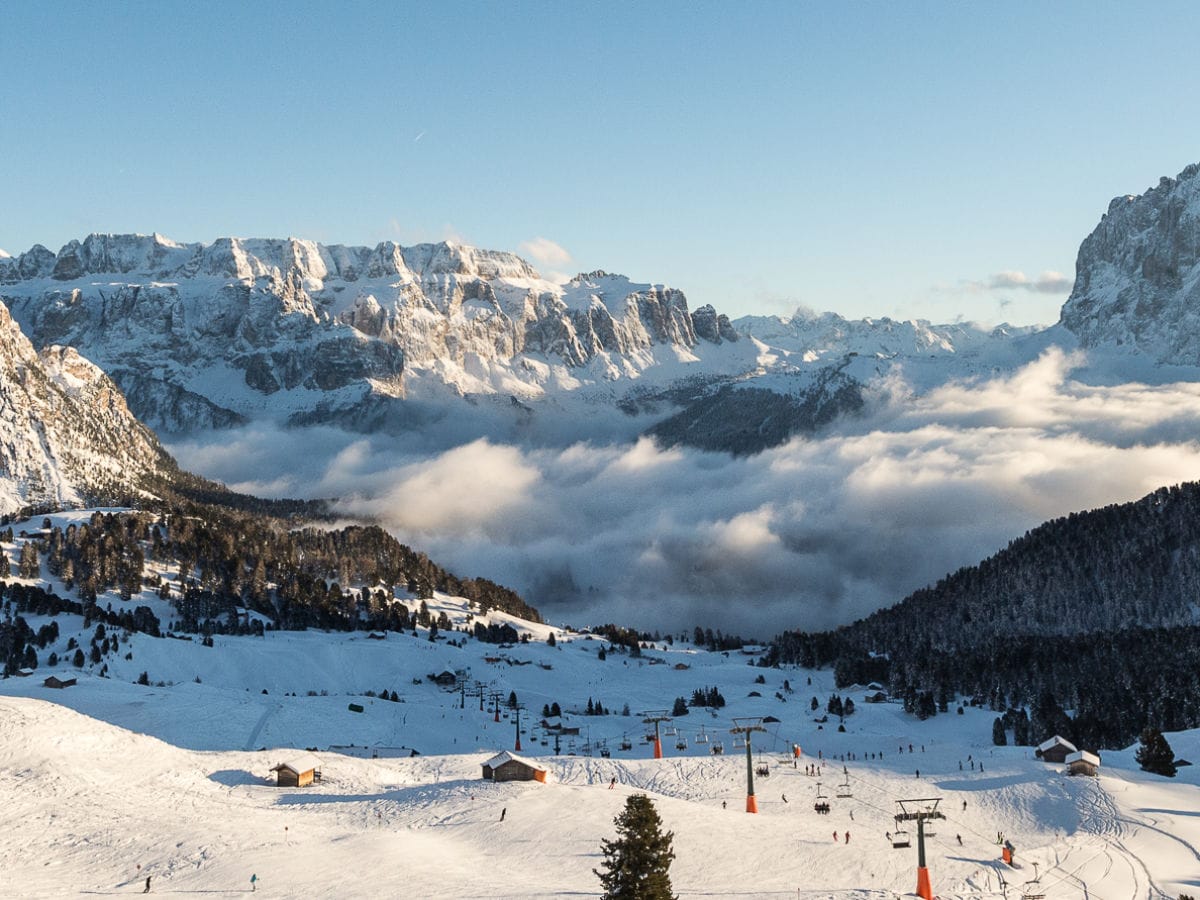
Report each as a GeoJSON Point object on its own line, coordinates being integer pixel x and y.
{"type": "Point", "coordinates": [1137, 276]}
{"type": "Point", "coordinates": [206, 335]}
{"type": "Point", "coordinates": [68, 435]}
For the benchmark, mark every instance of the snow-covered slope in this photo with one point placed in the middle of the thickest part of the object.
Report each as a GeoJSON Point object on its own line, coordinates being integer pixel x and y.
{"type": "Point", "coordinates": [1137, 281]}
{"type": "Point", "coordinates": [182, 763]}
{"type": "Point", "coordinates": [67, 434]}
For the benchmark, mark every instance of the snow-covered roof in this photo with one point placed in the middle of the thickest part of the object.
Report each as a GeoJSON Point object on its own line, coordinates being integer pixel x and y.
{"type": "Point", "coordinates": [1083, 756]}
{"type": "Point", "coordinates": [1056, 741]}
{"type": "Point", "coordinates": [302, 762]}
{"type": "Point", "coordinates": [505, 756]}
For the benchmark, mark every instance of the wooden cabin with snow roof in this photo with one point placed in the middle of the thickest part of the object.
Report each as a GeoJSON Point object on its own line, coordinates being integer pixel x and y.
{"type": "Point", "coordinates": [1083, 763]}
{"type": "Point", "coordinates": [508, 766]}
{"type": "Point", "coordinates": [299, 771]}
{"type": "Point", "coordinates": [1054, 750]}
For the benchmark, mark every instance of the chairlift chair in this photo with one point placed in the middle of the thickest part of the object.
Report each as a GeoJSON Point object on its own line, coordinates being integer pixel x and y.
{"type": "Point", "coordinates": [718, 748]}
{"type": "Point", "coordinates": [681, 744]}
{"type": "Point", "coordinates": [843, 790]}
{"type": "Point", "coordinates": [900, 840]}
{"type": "Point", "coordinates": [626, 744]}
{"type": "Point", "coordinates": [1032, 889]}
{"type": "Point", "coordinates": [702, 737]}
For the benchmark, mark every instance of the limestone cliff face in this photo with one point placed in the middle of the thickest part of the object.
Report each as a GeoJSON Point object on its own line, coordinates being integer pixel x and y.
{"type": "Point", "coordinates": [1137, 279]}
{"type": "Point", "coordinates": [210, 335]}
{"type": "Point", "coordinates": [66, 433]}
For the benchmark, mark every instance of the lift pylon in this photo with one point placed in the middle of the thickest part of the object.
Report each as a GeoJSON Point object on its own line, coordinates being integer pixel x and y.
{"type": "Point", "coordinates": [746, 727]}
{"type": "Point", "coordinates": [655, 717]}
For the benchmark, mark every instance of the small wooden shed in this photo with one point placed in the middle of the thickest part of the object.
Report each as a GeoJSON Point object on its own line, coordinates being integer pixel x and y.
{"type": "Point", "coordinates": [1054, 750]}
{"type": "Point", "coordinates": [55, 682]}
{"type": "Point", "coordinates": [299, 771]}
{"type": "Point", "coordinates": [1083, 763]}
{"type": "Point", "coordinates": [510, 767]}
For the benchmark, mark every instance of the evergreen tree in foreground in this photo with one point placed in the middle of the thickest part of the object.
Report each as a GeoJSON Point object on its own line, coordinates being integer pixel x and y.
{"type": "Point", "coordinates": [637, 863]}
{"type": "Point", "coordinates": [1155, 754]}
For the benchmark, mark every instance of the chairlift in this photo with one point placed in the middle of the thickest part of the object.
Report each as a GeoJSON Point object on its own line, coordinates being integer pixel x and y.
{"type": "Point", "coordinates": [626, 744]}
{"type": "Point", "coordinates": [900, 840]}
{"type": "Point", "coordinates": [605, 753]}
{"type": "Point", "coordinates": [739, 742]}
{"type": "Point", "coordinates": [843, 789]}
{"type": "Point", "coordinates": [821, 801]}
{"type": "Point", "coordinates": [1033, 890]}
{"type": "Point", "coordinates": [702, 737]}
{"type": "Point", "coordinates": [681, 744]}
{"type": "Point", "coordinates": [717, 748]}
{"type": "Point", "coordinates": [670, 731]}
{"type": "Point", "coordinates": [762, 769]}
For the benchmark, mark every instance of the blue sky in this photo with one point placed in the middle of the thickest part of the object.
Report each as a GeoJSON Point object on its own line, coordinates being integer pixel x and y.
{"type": "Point", "coordinates": [870, 158]}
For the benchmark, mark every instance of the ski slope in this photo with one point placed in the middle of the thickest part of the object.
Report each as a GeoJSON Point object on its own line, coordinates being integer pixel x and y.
{"type": "Point", "coordinates": [173, 777]}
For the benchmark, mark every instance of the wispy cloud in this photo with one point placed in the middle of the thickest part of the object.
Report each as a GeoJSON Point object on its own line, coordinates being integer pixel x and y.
{"type": "Point", "coordinates": [1048, 282]}
{"type": "Point", "coordinates": [548, 254]}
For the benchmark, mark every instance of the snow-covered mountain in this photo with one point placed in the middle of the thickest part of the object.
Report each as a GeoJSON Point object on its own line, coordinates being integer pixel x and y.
{"type": "Point", "coordinates": [203, 335]}
{"type": "Point", "coordinates": [1137, 281]}
{"type": "Point", "coordinates": [68, 434]}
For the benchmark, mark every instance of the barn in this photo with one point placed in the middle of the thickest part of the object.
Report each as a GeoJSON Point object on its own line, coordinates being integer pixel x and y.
{"type": "Point", "coordinates": [510, 767]}
{"type": "Point", "coordinates": [299, 771]}
{"type": "Point", "coordinates": [1082, 763]}
{"type": "Point", "coordinates": [55, 682]}
{"type": "Point", "coordinates": [1054, 750]}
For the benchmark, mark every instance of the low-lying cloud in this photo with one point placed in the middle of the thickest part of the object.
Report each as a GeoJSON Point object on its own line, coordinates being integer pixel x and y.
{"type": "Point", "coordinates": [811, 534]}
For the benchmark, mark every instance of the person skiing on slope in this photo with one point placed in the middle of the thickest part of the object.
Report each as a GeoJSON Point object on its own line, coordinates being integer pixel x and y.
{"type": "Point", "coordinates": [147, 890]}
{"type": "Point", "coordinates": [253, 883]}
{"type": "Point", "coordinates": [847, 837]}
{"type": "Point", "coordinates": [503, 813]}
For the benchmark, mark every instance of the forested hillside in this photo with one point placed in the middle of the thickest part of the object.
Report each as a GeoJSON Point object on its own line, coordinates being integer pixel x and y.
{"type": "Point", "coordinates": [227, 571]}
{"type": "Point", "coordinates": [1093, 613]}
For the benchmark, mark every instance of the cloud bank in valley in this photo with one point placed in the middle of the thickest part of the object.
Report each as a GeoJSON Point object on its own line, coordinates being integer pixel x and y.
{"type": "Point", "coordinates": [811, 534]}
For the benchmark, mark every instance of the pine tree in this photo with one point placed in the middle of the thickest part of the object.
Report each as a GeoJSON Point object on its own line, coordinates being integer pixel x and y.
{"type": "Point", "coordinates": [1155, 754]}
{"type": "Point", "coordinates": [999, 738]}
{"type": "Point", "coordinates": [637, 864]}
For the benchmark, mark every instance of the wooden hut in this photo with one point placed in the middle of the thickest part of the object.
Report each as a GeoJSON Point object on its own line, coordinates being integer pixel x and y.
{"type": "Point", "coordinates": [55, 682]}
{"type": "Point", "coordinates": [1082, 763]}
{"type": "Point", "coordinates": [510, 767]}
{"type": "Point", "coordinates": [299, 771]}
{"type": "Point", "coordinates": [1054, 750]}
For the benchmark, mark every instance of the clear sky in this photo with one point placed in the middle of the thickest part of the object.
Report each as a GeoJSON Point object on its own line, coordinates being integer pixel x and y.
{"type": "Point", "coordinates": [870, 158]}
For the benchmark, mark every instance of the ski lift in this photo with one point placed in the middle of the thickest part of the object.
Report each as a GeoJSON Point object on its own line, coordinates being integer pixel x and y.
{"type": "Point", "coordinates": [821, 801]}
{"type": "Point", "coordinates": [843, 789]}
{"type": "Point", "coordinates": [702, 737]}
{"type": "Point", "coordinates": [681, 744]}
{"type": "Point", "coordinates": [626, 744]}
{"type": "Point", "coordinates": [762, 769]}
{"type": "Point", "coordinates": [1033, 890]}
{"type": "Point", "coordinates": [739, 742]}
{"type": "Point", "coordinates": [717, 748]}
{"type": "Point", "coordinates": [670, 731]}
{"type": "Point", "coordinates": [900, 840]}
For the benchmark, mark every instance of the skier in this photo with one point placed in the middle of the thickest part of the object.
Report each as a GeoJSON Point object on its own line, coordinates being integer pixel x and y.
{"type": "Point", "coordinates": [503, 813]}
{"type": "Point", "coordinates": [851, 815]}
{"type": "Point", "coordinates": [723, 804]}
{"type": "Point", "coordinates": [612, 784]}
{"type": "Point", "coordinates": [147, 890]}
{"type": "Point", "coordinates": [959, 836]}
{"type": "Point", "coordinates": [784, 796]}
{"type": "Point", "coordinates": [918, 773]}
{"type": "Point", "coordinates": [253, 883]}
{"type": "Point", "coordinates": [835, 837]}
{"type": "Point", "coordinates": [847, 837]}
{"type": "Point", "coordinates": [964, 806]}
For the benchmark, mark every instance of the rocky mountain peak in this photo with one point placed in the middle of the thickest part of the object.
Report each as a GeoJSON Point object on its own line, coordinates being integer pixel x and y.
{"type": "Point", "coordinates": [1137, 279]}
{"type": "Point", "coordinates": [69, 435]}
